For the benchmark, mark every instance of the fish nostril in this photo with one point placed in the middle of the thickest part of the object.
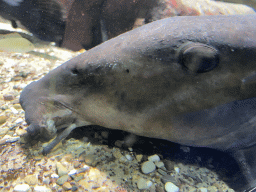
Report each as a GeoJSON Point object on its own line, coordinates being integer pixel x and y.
{"type": "Point", "coordinates": [74, 71]}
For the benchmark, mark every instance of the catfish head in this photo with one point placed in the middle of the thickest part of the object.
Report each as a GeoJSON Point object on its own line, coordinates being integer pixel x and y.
{"type": "Point", "coordinates": [189, 80]}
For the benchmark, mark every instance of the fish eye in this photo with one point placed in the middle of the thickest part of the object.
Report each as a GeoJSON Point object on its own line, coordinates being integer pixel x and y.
{"type": "Point", "coordinates": [198, 57]}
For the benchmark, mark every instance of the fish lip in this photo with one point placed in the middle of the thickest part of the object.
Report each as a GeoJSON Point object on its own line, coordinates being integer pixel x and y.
{"type": "Point", "coordinates": [45, 116]}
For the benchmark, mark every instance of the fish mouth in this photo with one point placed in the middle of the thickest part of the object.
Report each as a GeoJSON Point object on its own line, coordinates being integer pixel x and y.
{"type": "Point", "coordinates": [49, 117]}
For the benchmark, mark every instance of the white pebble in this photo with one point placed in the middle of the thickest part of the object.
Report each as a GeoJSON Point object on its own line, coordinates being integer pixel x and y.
{"type": "Point", "coordinates": [129, 157]}
{"type": "Point", "coordinates": [170, 187]}
{"type": "Point", "coordinates": [86, 167]}
{"type": "Point", "coordinates": [21, 188]}
{"type": "Point", "coordinates": [14, 111]}
{"type": "Point", "coordinates": [148, 167]}
{"type": "Point", "coordinates": [19, 120]}
{"type": "Point", "coordinates": [154, 158]}
{"type": "Point", "coordinates": [54, 175]}
{"type": "Point", "coordinates": [9, 139]}
{"type": "Point", "coordinates": [72, 172]}
{"type": "Point", "coordinates": [202, 189]}
{"type": "Point", "coordinates": [41, 189]}
{"type": "Point", "coordinates": [177, 169]}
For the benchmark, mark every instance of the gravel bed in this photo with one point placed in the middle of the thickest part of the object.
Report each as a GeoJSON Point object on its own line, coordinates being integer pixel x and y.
{"type": "Point", "coordinates": [92, 158]}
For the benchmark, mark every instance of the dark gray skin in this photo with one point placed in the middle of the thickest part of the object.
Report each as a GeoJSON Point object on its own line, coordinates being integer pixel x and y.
{"type": "Point", "coordinates": [189, 80]}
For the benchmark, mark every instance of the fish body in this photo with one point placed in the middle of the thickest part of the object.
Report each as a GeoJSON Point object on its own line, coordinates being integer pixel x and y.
{"type": "Point", "coordinates": [14, 42]}
{"type": "Point", "coordinates": [44, 18]}
{"type": "Point", "coordinates": [189, 80]}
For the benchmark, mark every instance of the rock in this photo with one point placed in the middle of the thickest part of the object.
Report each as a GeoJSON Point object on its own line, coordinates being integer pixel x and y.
{"type": "Point", "coordinates": [62, 179]}
{"type": "Point", "coordinates": [128, 157]}
{"type": "Point", "coordinates": [139, 157]}
{"type": "Point", "coordinates": [17, 106]}
{"type": "Point", "coordinates": [117, 154]}
{"type": "Point", "coordinates": [76, 164]}
{"type": "Point", "coordinates": [66, 186]}
{"type": "Point", "coordinates": [3, 119]}
{"type": "Point", "coordinates": [72, 172]}
{"type": "Point", "coordinates": [14, 111]}
{"type": "Point", "coordinates": [74, 188]}
{"type": "Point", "coordinates": [31, 179]}
{"type": "Point", "coordinates": [20, 132]}
{"type": "Point", "coordinates": [21, 188]}
{"type": "Point", "coordinates": [19, 120]}
{"type": "Point", "coordinates": [148, 167]}
{"type": "Point", "coordinates": [61, 170]}
{"type": "Point", "coordinates": [8, 139]}
{"type": "Point", "coordinates": [170, 187]}
{"type": "Point", "coordinates": [169, 178]}
{"type": "Point", "coordinates": [154, 158]}
{"type": "Point", "coordinates": [4, 130]}
{"type": "Point", "coordinates": [177, 169]}
{"type": "Point", "coordinates": [83, 169]}
{"type": "Point", "coordinates": [212, 189]}
{"type": "Point", "coordinates": [159, 164]}
{"type": "Point", "coordinates": [54, 175]}
{"type": "Point", "coordinates": [169, 165]}
{"type": "Point", "coordinates": [143, 183]}
{"type": "Point", "coordinates": [8, 97]}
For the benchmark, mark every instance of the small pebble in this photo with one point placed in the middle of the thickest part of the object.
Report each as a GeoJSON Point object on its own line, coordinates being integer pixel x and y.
{"type": "Point", "coordinates": [104, 134]}
{"type": "Point", "coordinates": [154, 158]}
{"type": "Point", "coordinates": [143, 184]}
{"type": "Point", "coordinates": [66, 186]}
{"type": "Point", "coordinates": [129, 157]}
{"type": "Point", "coordinates": [20, 132]}
{"type": "Point", "coordinates": [83, 169]}
{"type": "Point", "coordinates": [74, 188]}
{"type": "Point", "coordinates": [72, 172]}
{"type": "Point", "coordinates": [14, 111]}
{"type": "Point", "coordinates": [9, 139]}
{"type": "Point", "coordinates": [17, 106]}
{"type": "Point", "coordinates": [139, 157]}
{"type": "Point", "coordinates": [61, 170]}
{"type": "Point", "coordinates": [159, 164]}
{"type": "Point", "coordinates": [78, 177]}
{"type": "Point", "coordinates": [41, 189]}
{"type": "Point", "coordinates": [31, 179]}
{"type": "Point", "coordinates": [46, 180]}
{"type": "Point", "coordinates": [19, 120]}
{"type": "Point", "coordinates": [177, 169]}
{"type": "Point", "coordinates": [212, 189]}
{"type": "Point", "coordinates": [185, 149]}
{"type": "Point", "coordinates": [62, 179]}
{"type": "Point", "coordinates": [20, 86]}
{"type": "Point", "coordinates": [202, 189]}
{"type": "Point", "coordinates": [76, 164]}
{"type": "Point", "coordinates": [3, 119]}
{"type": "Point", "coordinates": [4, 130]}
{"type": "Point", "coordinates": [169, 165]}
{"type": "Point", "coordinates": [54, 175]}
{"type": "Point", "coordinates": [170, 187]}
{"type": "Point", "coordinates": [8, 97]}
{"type": "Point", "coordinates": [21, 188]}
{"type": "Point", "coordinates": [148, 167]}
{"type": "Point", "coordinates": [162, 172]}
